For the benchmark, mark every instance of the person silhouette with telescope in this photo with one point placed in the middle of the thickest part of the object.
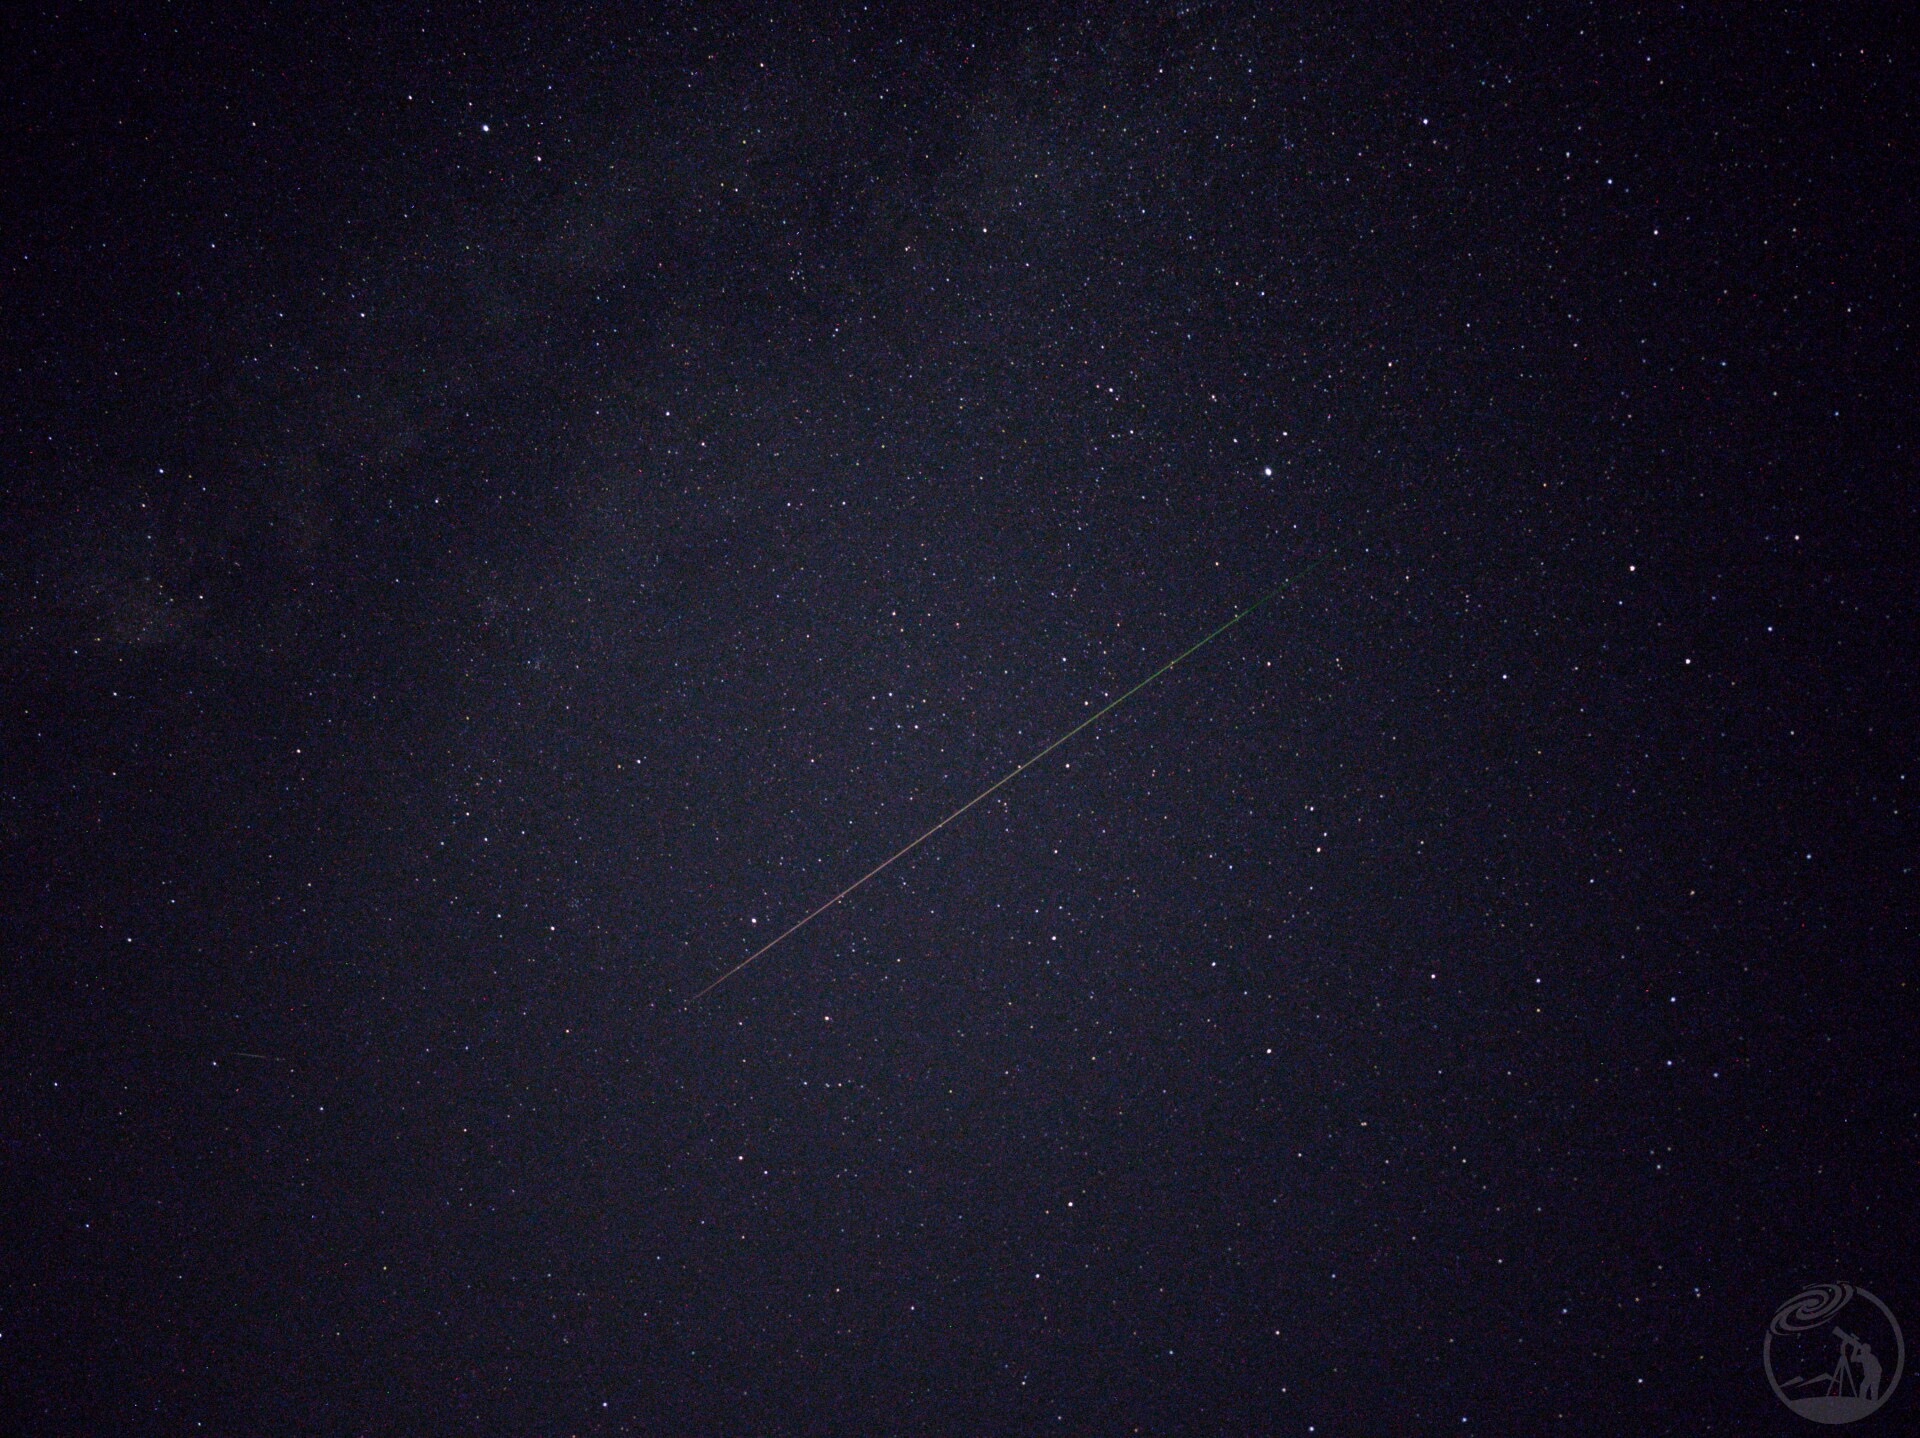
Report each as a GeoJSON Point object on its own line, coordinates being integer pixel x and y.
{"type": "Point", "coordinates": [1852, 1351]}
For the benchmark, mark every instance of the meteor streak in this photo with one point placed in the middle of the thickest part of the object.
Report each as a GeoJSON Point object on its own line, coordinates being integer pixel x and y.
{"type": "Point", "coordinates": [1008, 778]}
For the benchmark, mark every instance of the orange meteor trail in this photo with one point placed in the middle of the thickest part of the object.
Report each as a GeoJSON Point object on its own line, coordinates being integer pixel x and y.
{"type": "Point", "coordinates": [1006, 778]}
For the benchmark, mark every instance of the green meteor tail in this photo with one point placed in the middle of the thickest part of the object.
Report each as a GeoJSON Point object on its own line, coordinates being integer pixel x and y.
{"type": "Point", "coordinates": [1010, 776]}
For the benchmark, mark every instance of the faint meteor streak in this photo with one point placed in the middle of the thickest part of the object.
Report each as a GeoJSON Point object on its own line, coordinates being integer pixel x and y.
{"type": "Point", "coordinates": [1007, 778]}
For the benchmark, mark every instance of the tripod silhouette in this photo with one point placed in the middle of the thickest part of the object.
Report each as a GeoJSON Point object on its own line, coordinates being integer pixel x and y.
{"type": "Point", "coordinates": [1841, 1382]}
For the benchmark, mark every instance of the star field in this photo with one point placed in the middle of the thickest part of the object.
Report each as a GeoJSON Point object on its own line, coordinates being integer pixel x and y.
{"type": "Point", "coordinates": [512, 510]}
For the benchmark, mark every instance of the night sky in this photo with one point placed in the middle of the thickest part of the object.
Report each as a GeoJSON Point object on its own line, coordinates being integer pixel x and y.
{"type": "Point", "coordinates": [507, 511]}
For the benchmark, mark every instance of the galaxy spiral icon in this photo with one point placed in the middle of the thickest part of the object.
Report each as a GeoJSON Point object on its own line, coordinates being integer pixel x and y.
{"type": "Point", "coordinates": [1834, 1353]}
